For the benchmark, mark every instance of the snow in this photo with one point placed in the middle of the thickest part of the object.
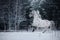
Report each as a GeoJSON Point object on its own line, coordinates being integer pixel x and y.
{"type": "Point", "coordinates": [49, 35]}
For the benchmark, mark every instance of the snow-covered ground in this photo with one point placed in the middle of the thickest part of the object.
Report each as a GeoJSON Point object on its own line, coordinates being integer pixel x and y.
{"type": "Point", "coordinates": [48, 35]}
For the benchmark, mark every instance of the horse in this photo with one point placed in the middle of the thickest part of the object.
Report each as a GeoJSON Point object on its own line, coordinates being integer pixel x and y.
{"type": "Point", "coordinates": [38, 22]}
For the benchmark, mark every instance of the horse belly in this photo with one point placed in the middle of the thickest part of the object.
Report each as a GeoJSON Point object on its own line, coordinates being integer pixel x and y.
{"type": "Point", "coordinates": [45, 23]}
{"type": "Point", "coordinates": [41, 23]}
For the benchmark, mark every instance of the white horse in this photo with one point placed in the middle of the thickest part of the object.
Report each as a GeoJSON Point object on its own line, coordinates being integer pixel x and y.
{"type": "Point", "coordinates": [38, 22]}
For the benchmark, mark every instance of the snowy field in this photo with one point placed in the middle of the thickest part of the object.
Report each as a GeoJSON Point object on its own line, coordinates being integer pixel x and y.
{"type": "Point", "coordinates": [48, 35]}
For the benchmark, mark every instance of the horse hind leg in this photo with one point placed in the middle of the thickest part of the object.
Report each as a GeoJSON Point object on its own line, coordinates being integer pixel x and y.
{"type": "Point", "coordinates": [46, 29]}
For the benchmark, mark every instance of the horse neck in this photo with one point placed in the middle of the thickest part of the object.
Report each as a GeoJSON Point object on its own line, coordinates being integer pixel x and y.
{"type": "Point", "coordinates": [37, 15]}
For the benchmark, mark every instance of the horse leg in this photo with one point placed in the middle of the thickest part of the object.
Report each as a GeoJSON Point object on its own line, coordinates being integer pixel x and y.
{"type": "Point", "coordinates": [27, 29]}
{"type": "Point", "coordinates": [46, 29]}
{"type": "Point", "coordinates": [34, 28]}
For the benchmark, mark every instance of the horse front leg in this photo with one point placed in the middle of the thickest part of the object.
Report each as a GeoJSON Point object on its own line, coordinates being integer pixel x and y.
{"type": "Point", "coordinates": [34, 28]}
